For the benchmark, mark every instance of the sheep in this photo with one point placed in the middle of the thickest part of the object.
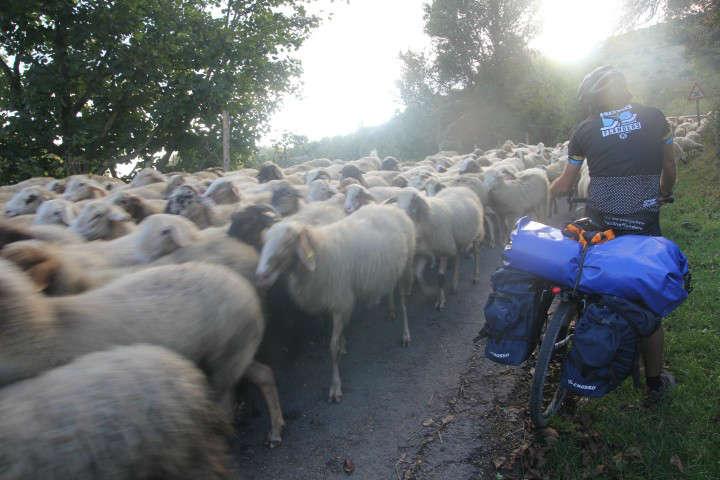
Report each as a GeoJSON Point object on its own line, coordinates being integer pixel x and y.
{"type": "Point", "coordinates": [129, 412]}
{"type": "Point", "coordinates": [137, 207]}
{"type": "Point", "coordinates": [209, 314]}
{"type": "Point", "coordinates": [390, 163]}
{"type": "Point", "coordinates": [80, 188]}
{"type": "Point", "coordinates": [359, 258]}
{"type": "Point", "coordinates": [10, 233]}
{"type": "Point", "coordinates": [518, 196]}
{"type": "Point", "coordinates": [269, 171]}
{"type": "Point", "coordinates": [447, 225]}
{"type": "Point", "coordinates": [688, 146]}
{"type": "Point", "coordinates": [316, 174]}
{"type": "Point", "coordinates": [156, 236]}
{"type": "Point", "coordinates": [320, 190]}
{"type": "Point", "coordinates": [356, 196]}
{"type": "Point", "coordinates": [27, 201]}
{"type": "Point", "coordinates": [352, 171]}
{"type": "Point", "coordinates": [100, 220]}
{"type": "Point", "coordinates": [223, 191]}
{"type": "Point", "coordinates": [146, 176]}
{"type": "Point", "coordinates": [318, 213]}
{"type": "Point", "coordinates": [187, 202]}
{"type": "Point", "coordinates": [56, 211]}
{"type": "Point", "coordinates": [286, 200]}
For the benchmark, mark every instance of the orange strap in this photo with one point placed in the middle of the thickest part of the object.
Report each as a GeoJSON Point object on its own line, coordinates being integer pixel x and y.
{"type": "Point", "coordinates": [580, 235]}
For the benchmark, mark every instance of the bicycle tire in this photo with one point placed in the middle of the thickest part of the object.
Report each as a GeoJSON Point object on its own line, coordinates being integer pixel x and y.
{"type": "Point", "coordinates": [539, 415]}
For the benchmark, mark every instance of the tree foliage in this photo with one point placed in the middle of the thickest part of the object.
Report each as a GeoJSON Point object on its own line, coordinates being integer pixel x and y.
{"type": "Point", "coordinates": [87, 84]}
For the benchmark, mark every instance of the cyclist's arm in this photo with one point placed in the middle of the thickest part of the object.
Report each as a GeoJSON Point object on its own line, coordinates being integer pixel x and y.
{"type": "Point", "coordinates": [669, 169]}
{"type": "Point", "coordinates": [565, 182]}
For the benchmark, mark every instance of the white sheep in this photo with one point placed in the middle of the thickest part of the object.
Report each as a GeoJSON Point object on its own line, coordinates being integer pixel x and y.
{"type": "Point", "coordinates": [208, 314]}
{"type": "Point", "coordinates": [101, 220]}
{"type": "Point", "coordinates": [27, 200]}
{"type": "Point", "coordinates": [82, 188]}
{"type": "Point", "coordinates": [329, 268]}
{"type": "Point", "coordinates": [526, 193]}
{"type": "Point", "coordinates": [137, 207]}
{"type": "Point", "coordinates": [356, 196]}
{"type": "Point", "coordinates": [56, 211]}
{"type": "Point", "coordinates": [447, 225]}
{"type": "Point", "coordinates": [146, 176]}
{"type": "Point", "coordinates": [130, 412]}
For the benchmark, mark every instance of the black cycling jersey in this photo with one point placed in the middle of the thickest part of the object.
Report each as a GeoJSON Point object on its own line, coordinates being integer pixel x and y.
{"type": "Point", "coordinates": [624, 150]}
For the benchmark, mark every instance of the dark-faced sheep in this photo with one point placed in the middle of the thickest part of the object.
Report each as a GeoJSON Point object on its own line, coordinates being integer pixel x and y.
{"type": "Point", "coordinates": [131, 412]}
{"type": "Point", "coordinates": [269, 171]}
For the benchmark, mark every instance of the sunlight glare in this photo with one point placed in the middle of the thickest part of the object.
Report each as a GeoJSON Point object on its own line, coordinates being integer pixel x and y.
{"type": "Point", "coordinates": [571, 29]}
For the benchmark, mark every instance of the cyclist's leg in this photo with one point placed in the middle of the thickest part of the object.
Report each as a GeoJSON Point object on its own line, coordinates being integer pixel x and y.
{"type": "Point", "coordinates": [653, 353]}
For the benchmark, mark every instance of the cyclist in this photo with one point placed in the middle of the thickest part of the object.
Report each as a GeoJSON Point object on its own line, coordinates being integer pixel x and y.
{"type": "Point", "coordinates": [630, 158]}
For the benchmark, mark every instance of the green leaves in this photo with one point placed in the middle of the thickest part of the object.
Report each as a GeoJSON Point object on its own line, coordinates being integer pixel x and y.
{"type": "Point", "coordinates": [97, 82]}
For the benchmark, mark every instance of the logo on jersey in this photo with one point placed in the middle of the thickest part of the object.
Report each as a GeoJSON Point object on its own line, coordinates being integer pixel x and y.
{"type": "Point", "coordinates": [619, 122]}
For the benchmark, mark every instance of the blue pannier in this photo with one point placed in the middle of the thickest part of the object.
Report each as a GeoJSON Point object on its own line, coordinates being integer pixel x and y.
{"type": "Point", "coordinates": [511, 316]}
{"type": "Point", "coordinates": [649, 270]}
{"type": "Point", "coordinates": [604, 345]}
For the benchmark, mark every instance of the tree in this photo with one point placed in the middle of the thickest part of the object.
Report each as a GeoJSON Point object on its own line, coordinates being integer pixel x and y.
{"type": "Point", "coordinates": [87, 84]}
{"type": "Point", "coordinates": [475, 39]}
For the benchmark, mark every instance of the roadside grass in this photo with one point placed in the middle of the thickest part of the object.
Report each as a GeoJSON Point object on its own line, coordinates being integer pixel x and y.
{"type": "Point", "coordinates": [615, 437]}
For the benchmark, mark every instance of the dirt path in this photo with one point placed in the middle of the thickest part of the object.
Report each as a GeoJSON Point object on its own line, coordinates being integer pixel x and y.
{"type": "Point", "coordinates": [416, 412]}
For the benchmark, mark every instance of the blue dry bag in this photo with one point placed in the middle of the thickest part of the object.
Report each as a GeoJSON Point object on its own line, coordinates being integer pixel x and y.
{"type": "Point", "coordinates": [512, 321]}
{"type": "Point", "coordinates": [650, 270]}
{"type": "Point", "coordinates": [604, 345]}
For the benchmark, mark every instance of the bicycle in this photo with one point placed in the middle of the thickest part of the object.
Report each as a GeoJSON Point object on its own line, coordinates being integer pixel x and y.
{"type": "Point", "coordinates": [556, 342]}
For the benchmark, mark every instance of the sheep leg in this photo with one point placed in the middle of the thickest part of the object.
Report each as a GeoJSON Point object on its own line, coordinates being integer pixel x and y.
{"type": "Point", "coordinates": [456, 274]}
{"type": "Point", "coordinates": [338, 324]}
{"type": "Point", "coordinates": [343, 345]}
{"type": "Point", "coordinates": [392, 314]}
{"type": "Point", "coordinates": [403, 290]}
{"type": "Point", "coordinates": [420, 264]}
{"type": "Point", "coordinates": [262, 376]}
{"type": "Point", "coordinates": [442, 267]}
{"type": "Point", "coordinates": [476, 261]}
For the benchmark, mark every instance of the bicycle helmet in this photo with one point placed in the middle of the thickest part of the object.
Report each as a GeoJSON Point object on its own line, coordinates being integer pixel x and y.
{"type": "Point", "coordinates": [601, 81]}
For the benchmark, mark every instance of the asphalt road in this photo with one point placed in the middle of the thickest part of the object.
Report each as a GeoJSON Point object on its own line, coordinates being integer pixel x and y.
{"type": "Point", "coordinates": [413, 412]}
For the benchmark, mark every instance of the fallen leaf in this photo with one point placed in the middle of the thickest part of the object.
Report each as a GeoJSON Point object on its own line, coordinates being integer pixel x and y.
{"type": "Point", "coordinates": [677, 463]}
{"type": "Point", "coordinates": [633, 453]}
{"type": "Point", "coordinates": [499, 462]}
{"type": "Point", "coordinates": [348, 466]}
{"type": "Point", "coordinates": [428, 423]}
{"type": "Point", "coordinates": [447, 419]}
{"type": "Point", "coordinates": [599, 470]}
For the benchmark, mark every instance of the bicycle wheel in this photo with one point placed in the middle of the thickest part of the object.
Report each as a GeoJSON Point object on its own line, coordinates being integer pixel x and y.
{"type": "Point", "coordinates": [551, 343]}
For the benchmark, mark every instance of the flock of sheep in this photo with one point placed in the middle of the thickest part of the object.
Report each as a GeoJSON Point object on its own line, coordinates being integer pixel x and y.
{"type": "Point", "coordinates": [130, 312]}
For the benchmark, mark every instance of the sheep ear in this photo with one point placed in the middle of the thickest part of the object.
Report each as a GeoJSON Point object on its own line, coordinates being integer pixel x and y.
{"type": "Point", "coordinates": [305, 251]}
{"type": "Point", "coordinates": [68, 214]}
{"type": "Point", "coordinates": [390, 201]}
{"type": "Point", "coordinates": [118, 215]}
{"type": "Point", "coordinates": [179, 236]}
{"type": "Point", "coordinates": [97, 192]}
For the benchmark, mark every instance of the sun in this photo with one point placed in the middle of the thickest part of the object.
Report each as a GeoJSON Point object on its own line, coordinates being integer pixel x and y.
{"type": "Point", "coordinates": [571, 29]}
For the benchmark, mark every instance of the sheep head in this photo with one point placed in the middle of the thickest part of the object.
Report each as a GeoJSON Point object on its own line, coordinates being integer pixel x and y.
{"type": "Point", "coordinates": [320, 190]}
{"type": "Point", "coordinates": [223, 191]}
{"type": "Point", "coordinates": [83, 189]}
{"type": "Point", "coordinates": [146, 176]}
{"type": "Point", "coordinates": [286, 200]}
{"type": "Point", "coordinates": [390, 163]}
{"type": "Point", "coordinates": [56, 211]}
{"type": "Point", "coordinates": [27, 201]}
{"type": "Point", "coordinates": [162, 234]}
{"type": "Point", "coordinates": [37, 261]}
{"type": "Point", "coordinates": [287, 244]}
{"type": "Point", "coordinates": [97, 220]}
{"type": "Point", "coordinates": [249, 224]}
{"type": "Point", "coordinates": [355, 197]}
{"type": "Point", "coordinates": [433, 187]}
{"type": "Point", "coordinates": [269, 171]}
{"type": "Point", "coordinates": [413, 203]}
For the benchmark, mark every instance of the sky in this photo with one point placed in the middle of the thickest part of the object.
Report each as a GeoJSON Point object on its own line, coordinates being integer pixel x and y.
{"type": "Point", "coordinates": [351, 62]}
